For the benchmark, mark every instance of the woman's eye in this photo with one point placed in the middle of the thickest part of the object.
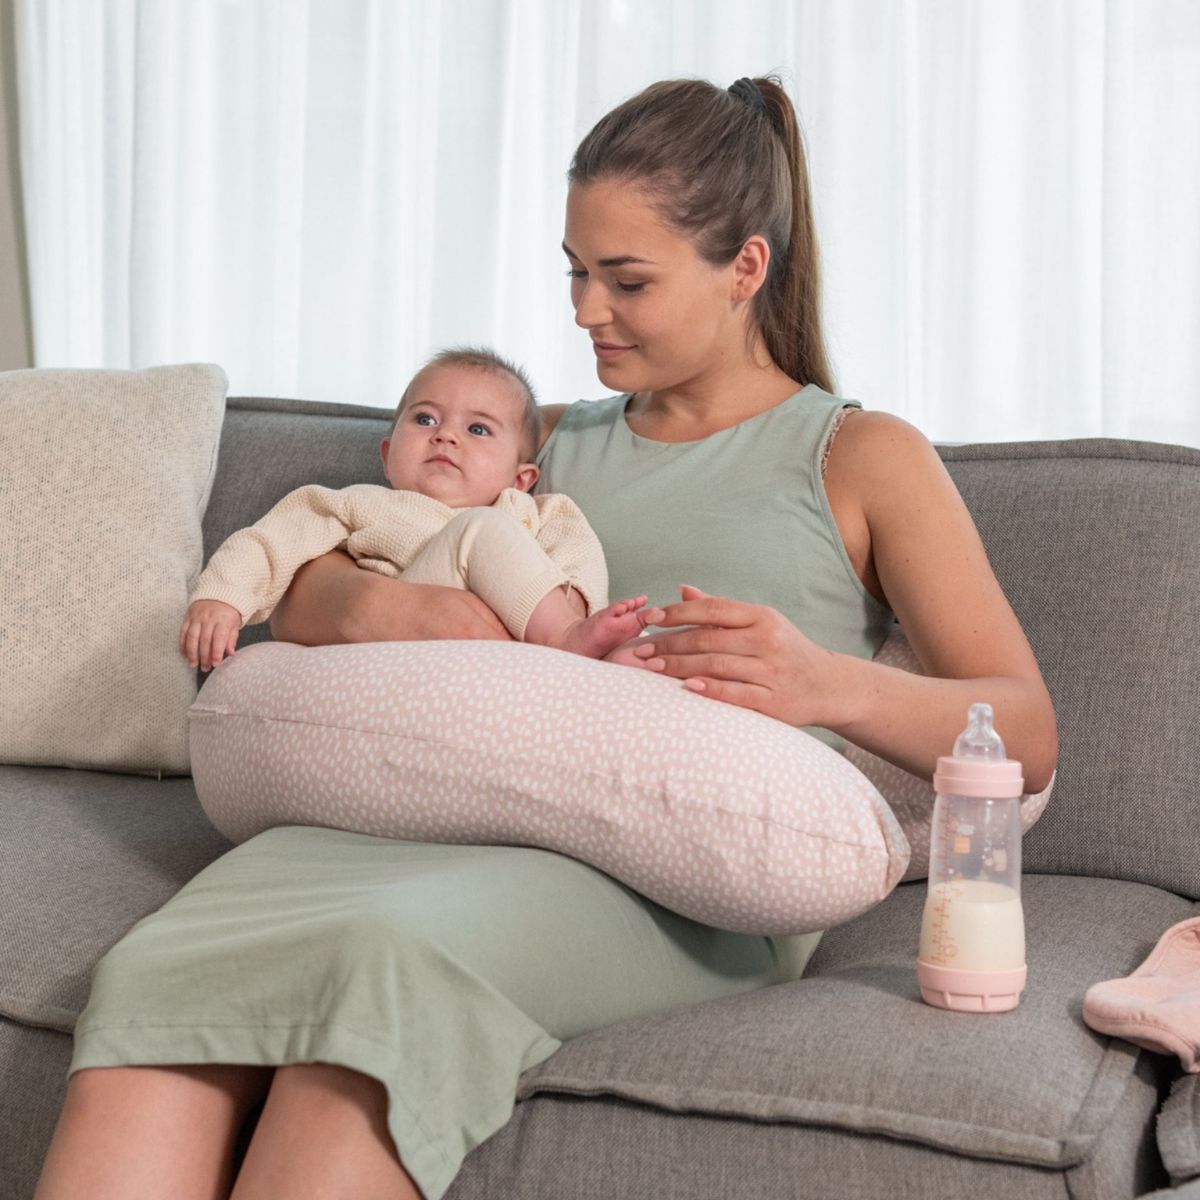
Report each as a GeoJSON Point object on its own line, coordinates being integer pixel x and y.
{"type": "Point", "coordinates": [478, 429]}
{"type": "Point", "coordinates": [631, 288]}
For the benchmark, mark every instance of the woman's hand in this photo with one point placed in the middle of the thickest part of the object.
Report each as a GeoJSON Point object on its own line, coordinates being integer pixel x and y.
{"type": "Point", "coordinates": [745, 654]}
{"type": "Point", "coordinates": [331, 600]}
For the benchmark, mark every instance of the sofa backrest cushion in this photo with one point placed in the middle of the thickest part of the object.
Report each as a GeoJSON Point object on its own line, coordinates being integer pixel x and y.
{"type": "Point", "coordinates": [1095, 544]}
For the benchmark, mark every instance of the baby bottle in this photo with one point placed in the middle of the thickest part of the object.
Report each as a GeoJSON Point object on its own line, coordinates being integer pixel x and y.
{"type": "Point", "coordinates": [972, 955]}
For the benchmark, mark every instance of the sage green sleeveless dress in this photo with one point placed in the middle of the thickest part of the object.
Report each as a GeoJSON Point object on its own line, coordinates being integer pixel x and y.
{"type": "Point", "coordinates": [445, 971]}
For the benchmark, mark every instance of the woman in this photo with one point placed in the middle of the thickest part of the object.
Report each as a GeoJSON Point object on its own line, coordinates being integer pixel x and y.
{"type": "Point", "coordinates": [724, 461]}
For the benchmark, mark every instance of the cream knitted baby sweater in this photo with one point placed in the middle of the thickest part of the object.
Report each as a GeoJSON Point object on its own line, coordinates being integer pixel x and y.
{"type": "Point", "coordinates": [383, 530]}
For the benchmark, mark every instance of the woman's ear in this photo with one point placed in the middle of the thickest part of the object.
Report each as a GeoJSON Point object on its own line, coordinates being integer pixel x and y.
{"type": "Point", "coordinates": [750, 267]}
{"type": "Point", "coordinates": [527, 476]}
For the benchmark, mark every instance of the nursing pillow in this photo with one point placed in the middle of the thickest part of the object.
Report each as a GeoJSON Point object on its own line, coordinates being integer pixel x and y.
{"type": "Point", "coordinates": [716, 812]}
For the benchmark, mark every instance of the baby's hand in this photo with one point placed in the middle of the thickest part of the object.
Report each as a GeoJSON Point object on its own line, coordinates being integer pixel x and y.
{"type": "Point", "coordinates": [210, 631]}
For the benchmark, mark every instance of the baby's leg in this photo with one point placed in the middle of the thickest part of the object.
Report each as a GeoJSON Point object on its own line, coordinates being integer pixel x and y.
{"type": "Point", "coordinates": [558, 622]}
{"type": "Point", "coordinates": [491, 553]}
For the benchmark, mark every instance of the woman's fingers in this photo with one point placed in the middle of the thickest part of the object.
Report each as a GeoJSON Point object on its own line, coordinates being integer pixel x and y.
{"type": "Point", "coordinates": [700, 640]}
{"type": "Point", "coordinates": [738, 668]}
{"type": "Point", "coordinates": [740, 653]}
{"type": "Point", "coordinates": [746, 695]}
{"type": "Point", "coordinates": [698, 608]}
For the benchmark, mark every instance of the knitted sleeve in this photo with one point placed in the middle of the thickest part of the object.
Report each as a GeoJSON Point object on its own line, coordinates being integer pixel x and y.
{"type": "Point", "coordinates": [254, 566]}
{"type": "Point", "coordinates": [567, 538]}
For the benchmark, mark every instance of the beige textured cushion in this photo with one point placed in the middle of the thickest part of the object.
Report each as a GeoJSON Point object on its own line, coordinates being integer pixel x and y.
{"type": "Point", "coordinates": [105, 480]}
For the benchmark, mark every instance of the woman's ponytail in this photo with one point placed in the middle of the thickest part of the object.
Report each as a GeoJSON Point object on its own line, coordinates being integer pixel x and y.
{"type": "Point", "coordinates": [790, 310]}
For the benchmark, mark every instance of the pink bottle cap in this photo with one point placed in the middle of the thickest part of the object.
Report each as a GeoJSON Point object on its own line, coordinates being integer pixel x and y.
{"type": "Point", "coordinates": [978, 777]}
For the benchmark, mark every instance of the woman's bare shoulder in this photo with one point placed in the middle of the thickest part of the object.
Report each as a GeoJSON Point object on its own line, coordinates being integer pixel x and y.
{"type": "Point", "coordinates": [879, 440]}
{"type": "Point", "coordinates": [877, 457]}
{"type": "Point", "coordinates": [551, 415]}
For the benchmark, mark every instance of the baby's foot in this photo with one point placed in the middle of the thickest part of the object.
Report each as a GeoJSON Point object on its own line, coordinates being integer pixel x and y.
{"type": "Point", "coordinates": [607, 629]}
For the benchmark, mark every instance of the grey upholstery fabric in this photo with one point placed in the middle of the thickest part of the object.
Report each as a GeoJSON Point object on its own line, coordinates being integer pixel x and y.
{"type": "Point", "coordinates": [1179, 1130]}
{"type": "Point", "coordinates": [33, 1082]}
{"type": "Point", "coordinates": [1188, 1191]}
{"type": "Point", "coordinates": [86, 854]}
{"type": "Point", "coordinates": [1094, 543]}
{"type": "Point", "coordinates": [597, 1147]}
{"type": "Point", "coordinates": [1035, 1086]}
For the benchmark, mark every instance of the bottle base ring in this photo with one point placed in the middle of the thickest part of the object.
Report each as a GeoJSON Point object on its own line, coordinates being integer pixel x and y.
{"type": "Point", "coordinates": [970, 991]}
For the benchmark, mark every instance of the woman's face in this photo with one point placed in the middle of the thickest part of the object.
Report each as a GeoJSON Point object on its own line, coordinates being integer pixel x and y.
{"type": "Point", "coordinates": [659, 316]}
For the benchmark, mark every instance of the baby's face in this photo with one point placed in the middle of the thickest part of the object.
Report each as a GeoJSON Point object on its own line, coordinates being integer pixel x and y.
{"type": "Point", "coordinates": [458, 438]}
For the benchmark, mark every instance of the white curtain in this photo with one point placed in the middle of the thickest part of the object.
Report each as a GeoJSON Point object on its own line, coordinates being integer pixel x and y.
{"type": "Point", "coordinates": [316, 194]}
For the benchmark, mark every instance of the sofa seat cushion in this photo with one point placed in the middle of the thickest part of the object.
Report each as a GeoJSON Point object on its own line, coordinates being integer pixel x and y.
{"type": "Point", "coordinates": [598, 1147]}
{"type": "Point", "coordinates": [852, 1046]}
{"type": "Point", "coordinates": [87, 854]}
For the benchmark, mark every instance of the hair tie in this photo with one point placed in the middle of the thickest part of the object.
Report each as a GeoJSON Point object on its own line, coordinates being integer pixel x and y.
{"type": "Point", "coordinates": [749, 93]}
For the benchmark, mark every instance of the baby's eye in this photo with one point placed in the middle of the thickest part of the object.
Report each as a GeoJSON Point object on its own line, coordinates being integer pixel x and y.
{"type": "Point", "coordinates": [423, 418]}
{"type": "Point", "coordinates": [479, 429]}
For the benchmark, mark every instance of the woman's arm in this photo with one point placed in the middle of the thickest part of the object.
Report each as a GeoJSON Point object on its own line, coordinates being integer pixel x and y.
{"type": "Point", "coordinates": [919, 548]}
{"type": "Point", "coordinates": [331, 600]}
{"type": "Point", "coordinates": [931, 566]}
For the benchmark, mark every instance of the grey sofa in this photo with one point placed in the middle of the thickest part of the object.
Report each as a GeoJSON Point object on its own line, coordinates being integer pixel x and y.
{"type": "Point", "coordinates": [842, 1084]}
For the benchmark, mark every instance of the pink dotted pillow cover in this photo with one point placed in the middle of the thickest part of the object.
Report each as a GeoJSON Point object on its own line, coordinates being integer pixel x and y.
{"type": "Point", "coordinates": [716, 812]}
{"type": "Point", "coordinates": [910, 797]}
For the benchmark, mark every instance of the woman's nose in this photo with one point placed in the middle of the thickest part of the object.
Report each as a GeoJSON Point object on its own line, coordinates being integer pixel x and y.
{"type": "Point", "coordinates": [591, 309]}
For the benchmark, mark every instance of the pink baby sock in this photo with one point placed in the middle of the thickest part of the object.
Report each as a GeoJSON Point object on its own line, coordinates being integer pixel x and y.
{"type": "Point", "coordinates": [1158, 1006]}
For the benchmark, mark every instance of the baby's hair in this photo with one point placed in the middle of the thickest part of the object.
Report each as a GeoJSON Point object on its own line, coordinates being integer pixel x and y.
{"type": "Point", "coordinates": [482, 359]}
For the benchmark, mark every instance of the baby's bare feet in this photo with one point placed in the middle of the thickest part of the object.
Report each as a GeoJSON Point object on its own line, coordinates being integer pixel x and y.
{"type": "Point", "coordinates": [607, 629]}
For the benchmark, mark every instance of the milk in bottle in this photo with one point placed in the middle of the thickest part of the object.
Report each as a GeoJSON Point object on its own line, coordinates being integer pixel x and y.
{"type": "Point", "coordinates": [972, 951]}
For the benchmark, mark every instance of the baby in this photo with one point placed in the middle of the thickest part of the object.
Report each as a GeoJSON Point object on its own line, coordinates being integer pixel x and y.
{"type": "Point", "coordinates": [458, 514]}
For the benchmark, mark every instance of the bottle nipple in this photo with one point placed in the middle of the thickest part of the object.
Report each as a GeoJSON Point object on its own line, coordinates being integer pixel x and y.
{"type": "Point", "coordinates": [980, 741]}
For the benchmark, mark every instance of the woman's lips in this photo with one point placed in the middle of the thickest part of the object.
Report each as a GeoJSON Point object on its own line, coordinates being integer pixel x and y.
{"type": "Point", "coordinates": [607, 351]}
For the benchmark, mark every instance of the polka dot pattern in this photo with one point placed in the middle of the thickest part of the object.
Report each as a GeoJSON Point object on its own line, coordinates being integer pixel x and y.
{"type": "Point", "coordinates": [911, 797]}
{"type": "Point", "coordinates": [716, 812]}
